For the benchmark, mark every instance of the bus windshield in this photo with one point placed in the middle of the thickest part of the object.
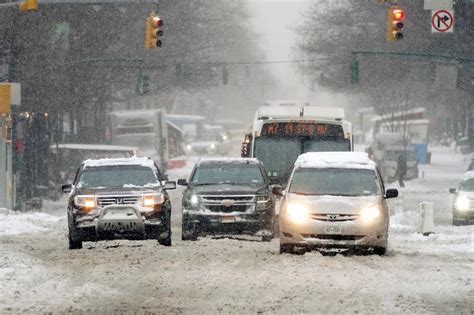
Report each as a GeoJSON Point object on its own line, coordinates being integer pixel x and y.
{"type": "Point", "coordinates": [279, 154]}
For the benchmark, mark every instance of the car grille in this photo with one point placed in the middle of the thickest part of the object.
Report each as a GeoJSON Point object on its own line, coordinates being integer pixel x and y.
{"type": "Point", "coordinates": [117, 200]}
{"type": "Point", "coordinates": [332, 217]}
{"type": "Point", "coordinates": [227, 204]}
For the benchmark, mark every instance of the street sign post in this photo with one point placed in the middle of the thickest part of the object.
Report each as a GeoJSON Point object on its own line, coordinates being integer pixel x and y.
{"type": "Point", "coordinates": [442, 21]}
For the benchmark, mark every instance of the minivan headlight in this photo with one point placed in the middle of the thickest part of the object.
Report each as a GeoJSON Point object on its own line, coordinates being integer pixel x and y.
{"type": "Point", "coordinates": [85, 201]}
{"type": "Point", "coordinates": [462, 203]}
{"type": "Point", "coordinates": [296, 213]}
{"type": "Point", "coordinates": [370, 214]}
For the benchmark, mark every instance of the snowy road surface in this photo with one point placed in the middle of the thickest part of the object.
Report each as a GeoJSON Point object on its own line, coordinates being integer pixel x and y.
{"type": "Point", "coordinates": [434, 274]}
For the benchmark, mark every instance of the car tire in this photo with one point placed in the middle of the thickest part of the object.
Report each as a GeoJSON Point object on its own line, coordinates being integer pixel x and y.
{"type": "Point", "coordinates": [379, 250]}
{"type": "Point", "coordinates": [188, 234]}
{"type": "Point", "coordinates": [267, 238]}
{"type": "Point", "coordinates": [74, 244]}
{"type": "Point", "coordinates": [166, 241]}
{"type": "Point", "coordinates": [75, 241]}
{"type": "Point", "coordinates": [286, 249]}
{"type": "Point", "coordinates": [456, 223]}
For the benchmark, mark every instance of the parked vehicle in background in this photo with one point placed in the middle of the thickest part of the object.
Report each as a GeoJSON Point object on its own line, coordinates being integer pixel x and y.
{"type": "Point", "coordinates": [151, 131]}
{"type": "Point", "coordinates": [66, 157]}
{"type": "Point", "coordinates": [280, 133]}
{"type": "Point", "coordinates": [463, 203]}
{"type": "Point", "coordinates": [381, 141]}
{"type": "Point", "coordinates": [212, 140]}
{"type": "Point", "coordinates": [227, 196]}
{"type": "Point", "coordinates": [335, 200]}
{"type": "Point", "coordinates": [118, 198]}
{"type": "Point", "coordinates": [388, 164]}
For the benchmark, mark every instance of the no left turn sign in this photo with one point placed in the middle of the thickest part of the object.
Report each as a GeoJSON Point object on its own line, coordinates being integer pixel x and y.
{"type": "Point", "coordinates": [442, 21]}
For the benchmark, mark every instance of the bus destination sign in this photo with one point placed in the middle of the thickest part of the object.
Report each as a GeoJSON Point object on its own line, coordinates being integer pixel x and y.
{"type": "Point", "coordinates": [302, 129]}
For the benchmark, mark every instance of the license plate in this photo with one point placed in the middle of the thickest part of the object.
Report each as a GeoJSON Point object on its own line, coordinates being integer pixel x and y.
{"type": "Point", "coordinates": [332, 230]}
{"type": "Point", "coordinates": [228, 219]}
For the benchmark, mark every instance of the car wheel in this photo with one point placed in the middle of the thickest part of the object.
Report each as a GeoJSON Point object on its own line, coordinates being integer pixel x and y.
{"type": "Point", "coordinates": [267, 238]}
{"type": "Point", "coordinates": [74, 244]}
{"type": "Point", "coordinates": [286, 249]}
{"type": "Point", "coordinates": [379, 250]}
{"type": "Point", "coordinates": [75, 241]}
{"type": "Point", "coordinates": [188, 234]}
{"type": "Point", "coordinates": [166, 241]}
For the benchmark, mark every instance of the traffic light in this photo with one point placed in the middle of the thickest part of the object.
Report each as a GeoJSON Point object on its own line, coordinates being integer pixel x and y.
{"type": "Point", "coordinates": [142, 84]}
{"type": "Point", "coordinates": [395, 16]}
{"type": "Point", "coordinates": [29, 5]}
{"type": "Point", "coordinates": [153, 31]}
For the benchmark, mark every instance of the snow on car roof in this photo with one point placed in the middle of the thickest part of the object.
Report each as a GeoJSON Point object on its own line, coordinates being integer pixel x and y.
{"type": "Point", "coordinates": [335, 160]}
{"type": "Point", "coordinates": [468, 175]}
{"type": "Point", "coordinates": [119, 161]}
{"type": "Point", "coordinates": [228, 160]}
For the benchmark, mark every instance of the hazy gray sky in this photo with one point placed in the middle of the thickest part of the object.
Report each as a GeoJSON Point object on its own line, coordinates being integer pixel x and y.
{"type": "Point", "coordinates": [275, 21]}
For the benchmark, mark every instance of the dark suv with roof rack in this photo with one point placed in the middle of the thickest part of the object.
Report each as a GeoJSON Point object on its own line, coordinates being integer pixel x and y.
{"type": "Point", "coordinates": [118, 198]}
{"type": "Point", "coordinates": [228, 196]}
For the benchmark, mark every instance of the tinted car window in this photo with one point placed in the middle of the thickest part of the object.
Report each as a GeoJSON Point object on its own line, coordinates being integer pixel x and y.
{"type": "Point", "coordinates": [118, 176]}
{"type": "Point", "coordinates": [231, 174]}
{"type": "Point", "coordinates": [335, 181]}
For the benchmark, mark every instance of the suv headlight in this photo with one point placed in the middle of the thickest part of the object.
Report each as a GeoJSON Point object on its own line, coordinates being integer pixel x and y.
{"type": "Point", "coordinates": [370, 214]}
{"type": "Point", "coordinates": [191, 202]}
{"type": "Point", "coordinates": [462, 203]}
{"type": "Point", "coordinates": [262, 202]}
{"type": "Point", "coordinates": [85, 201]}
{"type": "Point", "coordinates": [152, 199]}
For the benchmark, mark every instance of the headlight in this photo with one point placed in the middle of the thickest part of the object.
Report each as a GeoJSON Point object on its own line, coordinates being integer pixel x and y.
{"type": "Point", "coordinates": [371, 214]}
{"type": "Point", "coordinates": [150, 200]}
{"type": "Point", "coordinates": [262, 202]}
{"type": "Point", "coordinates": [189, 147]}
{"type": "Point", "coordinates": [462, 203]}
{"type": "Point", "coordinates": [224, 137]}
{"type": "Point", "coordinates": [213, 146]}
{"type": "Point", "coordinates": [296, 213]}
{"type": "Point", "coordinates": [194, 200]}
{"type": "Point", "coordinates": [85, 201]}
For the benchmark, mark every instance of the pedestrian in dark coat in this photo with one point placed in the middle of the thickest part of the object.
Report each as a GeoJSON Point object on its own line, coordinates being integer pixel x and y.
{"type": "Point", "coordinates": [401, 168]}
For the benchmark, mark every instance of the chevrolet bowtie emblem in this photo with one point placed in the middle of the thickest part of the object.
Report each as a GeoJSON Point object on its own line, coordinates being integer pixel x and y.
{"type": "Point", "coordinates": [228, 202]}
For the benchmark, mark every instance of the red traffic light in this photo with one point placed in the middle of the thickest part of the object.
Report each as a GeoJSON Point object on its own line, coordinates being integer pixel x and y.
{"type": "Point", "coordinates": [398, 14]}
{"type": "Point", "coordinates": [156, 21]}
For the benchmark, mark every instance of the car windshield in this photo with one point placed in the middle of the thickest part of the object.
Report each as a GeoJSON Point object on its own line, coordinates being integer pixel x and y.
{"type": "Point", "coordinates": [118, 176]}
{"type": "Point", "coordinates": [335, 181]}
{"type": "Point", "coordinates": [392, 155]}
{"type": "Point", "coordinates": [228, 174]}
{"type": "Point", "coordinates": [468, 185]}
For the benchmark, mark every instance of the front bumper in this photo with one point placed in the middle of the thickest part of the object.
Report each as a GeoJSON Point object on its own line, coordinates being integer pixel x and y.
{"type": "Point", "coordinates": [346, 234]}
{"type": "Point", "coordinates": [227, 223]}
{"type": "Point", "coordinates": [121, 222]}
{"type": "Point", "coordinates": [463, 217]}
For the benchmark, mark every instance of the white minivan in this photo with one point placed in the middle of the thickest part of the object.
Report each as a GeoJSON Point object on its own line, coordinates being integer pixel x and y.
{"type": "Point", "coordinates": [335, 200]}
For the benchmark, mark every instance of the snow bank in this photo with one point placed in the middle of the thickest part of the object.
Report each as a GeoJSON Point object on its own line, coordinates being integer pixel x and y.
{"type": "Point", "coordinates": [19, 223]}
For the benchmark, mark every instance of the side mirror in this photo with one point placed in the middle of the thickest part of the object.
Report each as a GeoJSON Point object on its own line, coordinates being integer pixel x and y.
{"type": "Point", "coordinates": [169, 185]}
{"type": "Point", "coordinates": [182, 182]}
{"type": "Point", "coordinates": [277, 190]}
{"type": "Point", "coordinates": [391, 193]}
{"type": "Point", "coordinates": [67, 188]}
{"type": "Point", "coordinates": [452, 190]}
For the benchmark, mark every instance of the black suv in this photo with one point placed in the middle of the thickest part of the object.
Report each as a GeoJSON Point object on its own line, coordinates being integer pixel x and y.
{"type": "Point", "coordinates": [118, 198]}
{"type": "Point", "coordinates": [228, 196]}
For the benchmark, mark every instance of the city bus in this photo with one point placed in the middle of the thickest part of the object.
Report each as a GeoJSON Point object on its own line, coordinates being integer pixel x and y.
{"type": "Point", "coordinates": [280, 133]}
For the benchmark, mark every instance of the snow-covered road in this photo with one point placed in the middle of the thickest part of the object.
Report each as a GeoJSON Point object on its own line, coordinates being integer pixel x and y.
{"type": "Point", "coordinates": [420, 274]}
